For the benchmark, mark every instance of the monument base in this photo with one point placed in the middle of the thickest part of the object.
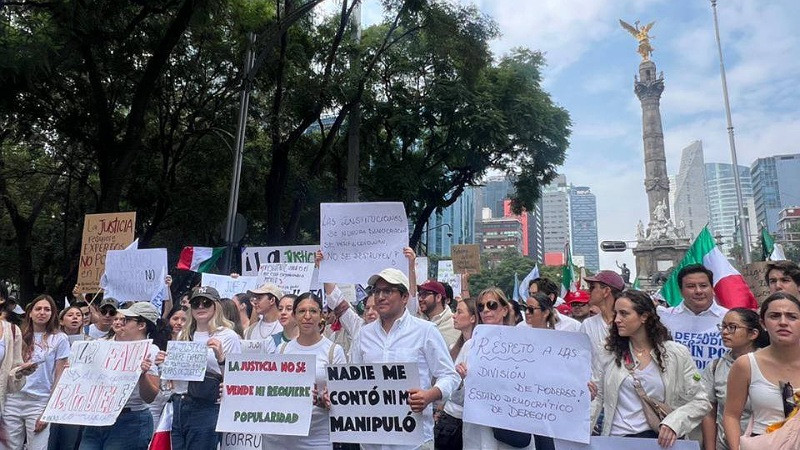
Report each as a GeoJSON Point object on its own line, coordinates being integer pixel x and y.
{"type": "Point", "coordinates": [655, 260]}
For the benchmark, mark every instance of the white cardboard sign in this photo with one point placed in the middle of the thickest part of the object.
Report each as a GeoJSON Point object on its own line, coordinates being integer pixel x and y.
{"type": "Point", "coordinates": [623, 443]}
{"type": "Point", "coordinates": [529, 380]}
{"type": "Point", "coordinates": [186, 361]}
{"type": "Point", "coordinates": [446, 274]}
{"type": "Point", "coordinates": [228, 286]}
{"type": "Point", "coordinates": [699, 333]}
{"type": "Point", "coordinates": [254, 257]}
{"type": "Point", "coordinates": [134, 275]}
{"type": "Point", "coordinates": [292, 278]}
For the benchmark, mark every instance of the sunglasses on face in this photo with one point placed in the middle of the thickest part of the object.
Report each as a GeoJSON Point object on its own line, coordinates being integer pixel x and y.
{"type": "Point", "coordinates": [108, 311]}
{"type": "Point", "coordinates": [490, 305]}
{"type": "Point", "coordinates": [198, 301]}
{"type": "Point", "coordinates": [532, 309]}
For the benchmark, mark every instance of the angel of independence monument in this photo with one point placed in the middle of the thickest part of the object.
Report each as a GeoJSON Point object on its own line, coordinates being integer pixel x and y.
{"type": "Point", "coordinates": [661, 245]}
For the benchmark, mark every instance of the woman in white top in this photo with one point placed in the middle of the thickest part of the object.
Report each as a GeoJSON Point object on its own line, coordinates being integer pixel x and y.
{"type": "Point", "coordinates": [12, 368]}
{"type": "Point", "coordinates": [742, 333]}
{"type": "Point", "coordinates": [757, 377]}
{"type": "Point", "coordinates": [46, 346]}
{"type": "Point", "coordinates": [287, 320]}
{"type": "Point", "coordinates": [644, 352]}
{"type": "Point", "coordinates": [307, 312]}
{"type": "Point", "coordinates": [195, 410]}
{"type": "Point", "coordinates": [134, 425]}
{"type": "Point", "coordinates": [447, 432]}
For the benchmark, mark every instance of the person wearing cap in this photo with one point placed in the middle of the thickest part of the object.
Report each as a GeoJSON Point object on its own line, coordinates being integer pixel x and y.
{"type": "Point", "coordinates": [265, 302]}
{"type": "Point", "coordinates": [697, 289]}
{"type": "Point", "coordinates": [432, 297]}
{"type": "Point", "coordinates": [399, 336]}
{"type": "Point", "coordinates": [604, 289]}
{"type": "Point", "coordinates": [134, 425]}
{"type": "Point", "coordinates": [194, 419]}
{"type": "Point", "coordinates": [578, 302]}
{"type": "Point", "coordinates": [106, 311]}
{"type": "Point", "coordinates": [551, 289]}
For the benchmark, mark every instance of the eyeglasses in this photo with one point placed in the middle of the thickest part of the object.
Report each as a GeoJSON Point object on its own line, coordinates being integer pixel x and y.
{"type": "Point", "coordinates": [385, 292]}
{"type": "Point", "coordinates": [197, 301]}
{"type": "Point", "coordinates": [730, 327]}
{"type": "Point", "coordinates": [423, 294]}
{"type": "Point", "coordinates": [531, 310]}
{"type": "Point", "coordinates": [492, 306]}
{"type": "Point", "coordinates": [108, 311]}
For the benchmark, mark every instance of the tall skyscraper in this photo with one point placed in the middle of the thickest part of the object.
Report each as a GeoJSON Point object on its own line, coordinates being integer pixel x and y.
{"type": "Point", "coordinates": [690, 203]}
{"type": "Point", "coordinates": [583, 209]}
{"type": "Point", "coordinates": [457, 219]}
{"type": "Point", "coordinates": [776, 185]}
{"type": "Point", "coordinates": [556, 215]}
{"type": "Point", "coordinates": [723, 208]}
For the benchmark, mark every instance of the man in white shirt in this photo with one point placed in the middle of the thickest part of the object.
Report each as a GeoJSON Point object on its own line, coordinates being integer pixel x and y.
{"type": "Point", "coordinates": [604, 289]}
{"type": "Point", "coordinates": [551, 289]}
{"type": "Point", "coordinates": [265, 304]}
{"type": "Point", "coordinates": [432, 307]}
{"type": "Point", "coordinates": [398, 336]}
{"type": "Point", "coordinates": [697, 289]}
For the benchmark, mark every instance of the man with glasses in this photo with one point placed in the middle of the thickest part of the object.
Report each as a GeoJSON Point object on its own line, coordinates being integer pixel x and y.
{"type": "Point", "coordinates": [397, 336]}
{"type": "Point", "coordinates": [432, 307]}
{"type": "Point", "coordinates": [265, 300]}
{"type": "Point", "coordinates": [105, 313]}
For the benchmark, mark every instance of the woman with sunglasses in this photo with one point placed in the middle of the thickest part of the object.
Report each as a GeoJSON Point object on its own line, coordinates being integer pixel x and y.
{"type": "Point", "coordinates": [46, 346]}
{"type": "Point", "coordinates": [307, 313]}
{"type": "Point", "coordinates": [645, 355]}
{"type": "Point", "coordinates": [766, 378]}
{"type": "Point", "coordinates": [134, 425]}
{"type": "Point", "coordinates": [539, 311]}
{"type": "Point", "coordinates": [493, 308]}
{"type": "Point", "coordinates": [195, 415]}
{"type": "Point", "coordinates": [104, 315]}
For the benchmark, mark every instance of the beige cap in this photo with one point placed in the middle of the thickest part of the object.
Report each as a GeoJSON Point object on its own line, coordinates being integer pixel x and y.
{"type": "Point", "coordinates": [391, 276]}
{"type": "Point", "coordinates": [267, 288]}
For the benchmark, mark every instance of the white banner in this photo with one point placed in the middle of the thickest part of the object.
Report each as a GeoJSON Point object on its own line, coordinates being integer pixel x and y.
{"type": "Point", "coordinates": [623, 443]}
{"type": "Point", "coordinates": [267, 394]}
{"type": "Point", "coordinates": [295, 278]}
{"type": "Point", "coordinates": [421, 269]}
{"type": "Point", "coordinates": [445, 274]}
{"type": "Point", "coordinates": [361, 239]}
{"type": "Point", "coordinates": [369, 404]}
{"type": "Point", "coordinates": [530, 380]}
{"type": "Point", "coordinates": [258, 347]}
{"type": "Point", "coordinates": [186, 361]}
{"type": "Point", "coordinates": [699, 333]}
{"type": "Point", "coordinates": [228, 286]}
{"type": "Point", "coordinates": [134, 275]}
{"type": "Point", "coordinates": [96, 385]}
{"type": "Point", "coordinates": [254, 257]}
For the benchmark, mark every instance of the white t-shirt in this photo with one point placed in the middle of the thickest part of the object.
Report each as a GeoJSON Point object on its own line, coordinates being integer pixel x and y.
{"type": "Point", "coordinates": [95, 333]}
{"type": "Point", "coordinates": [567, 323]}
{"type": "Point", "coordinates": [230, 344]}
{"type": "Point", "coordinates": [455, 406]}
{"type": "Point", "coordinates": [629, 418]}
{"type": "Point", "coordinates": [45, 354]}
{"type": "Point", "coordinates": [318, 434]}
{"type": "Point", "coordinates": [262, 330]}
{"type": "Point", "coordinates": [597, 329]}
{"type": "Point", "coordinates": [135, 402]}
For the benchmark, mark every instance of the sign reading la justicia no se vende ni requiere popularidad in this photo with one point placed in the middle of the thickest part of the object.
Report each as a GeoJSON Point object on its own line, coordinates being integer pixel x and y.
{"type": "Point", "coordinates": [529, 380]}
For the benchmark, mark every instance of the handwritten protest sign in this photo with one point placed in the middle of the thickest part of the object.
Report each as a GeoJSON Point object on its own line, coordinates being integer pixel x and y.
{"type": "Point", "coordinates": [292, 278]}
{"type": "Point", "coordinates": [699, 333]}
{"type": "Point", "coordinates": [466, 258]}
{"type": "Point", "coordinates": [254, 257]}
{"type": "Point", "coordinates": [241, 441]}
{"type": "Point", "coordinates": [101, 233]}
{"type": "Point", "coordinates": [530, 380]}
{"type": "Point", "coordinates": [369, 404]}
{"type": "Point", "coordinates": [228, 286]}
{"type": "Point", "coordinates": [623, 443]}
{"type": "Point", "coordinates": [257, 346]}
{"type": "Point", "coordinates": [361, 239]}
{"type": "Point", "coordinates": [755, 276]}
{"type": "Point", "coordinates": [96, 385]}
{"type": "Point", "coordinates": [421, 268]}
{"type": "Point", "coordinates": [134, 275]}
{"type": "Point", "coordinates": [446, 274]}
{"type": "Point", "coordinates": [186, 361]}
{"type": "Point", "coordinates": [267, 394]}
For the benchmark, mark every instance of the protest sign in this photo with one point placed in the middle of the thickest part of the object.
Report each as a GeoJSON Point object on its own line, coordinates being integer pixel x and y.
{"type": "Point", "coordinates": [754, 275]}
{"type": "Point", "coordinates": [369, 404]}
{"type": "Point", "coordinates": [466, 258]}
{"type": "Point", "coordinates": [623, 443]}
{"type": "Point", "coordinates": [101, 233]}
{"type": "Point", "coordinates": [241, 441]}
{"type": "Point", "coordinates": [134, 275]}
{"type": "Point", "coordinates": [96, 385]}
{"type": "Point", "coordinates": [530, 380]}
{"type": "Point", "coordinates": [267, 394]}
{"type": "Point", "coordinates": [292, 278]}
{"type": "Point", "coordinates": [699, 333]}
{"type": "Point", "coordinates": [445, 274]}
{"type": "Point", "coordinates": [185, 361]}
{"type": "Point", "coordinates": [421, 268]}
{"type": "Point", "coordinates": [257, 346]}
{"type": "Point", "coordinates": [228, 286]}
{"type": "Point", "coordinates": [254, 257]}
{"type": "Point", "coordinates": [361, 239]}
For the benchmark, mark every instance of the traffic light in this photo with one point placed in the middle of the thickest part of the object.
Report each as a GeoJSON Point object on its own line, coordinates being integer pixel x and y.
{"type": "Point", "coordinates": [613, 246]}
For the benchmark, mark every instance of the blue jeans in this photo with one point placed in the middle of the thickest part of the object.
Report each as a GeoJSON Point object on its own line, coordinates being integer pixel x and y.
{"type": "Point", "coordinates": [64, 437]}
{"type": "Point", "coordinates": [131, 431]}
{"type": "Point", "coordinates": [193, 424]}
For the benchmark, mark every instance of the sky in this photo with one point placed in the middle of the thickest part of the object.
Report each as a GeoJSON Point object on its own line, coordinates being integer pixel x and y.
{"type": "Point", "coordinates": [591, 63]}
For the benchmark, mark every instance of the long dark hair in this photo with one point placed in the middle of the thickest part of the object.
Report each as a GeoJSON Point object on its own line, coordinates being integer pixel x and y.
{"type": "Point", "coordinates": [51, 327]}
{"type": "Point", "coordinates": [231, 313]}
{"type": "Point", "coordinates": [546, 306]}
{"type": "Point", "coordinates": [657, 333]}
{"type": "Point", "coordinates": [750, 319]}
{"type": "Point", "coordinates": [473, 311]}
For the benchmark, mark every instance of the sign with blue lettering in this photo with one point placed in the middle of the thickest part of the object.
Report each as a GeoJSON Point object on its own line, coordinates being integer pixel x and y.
{"type": "Point", "coordinates": [699, 333]}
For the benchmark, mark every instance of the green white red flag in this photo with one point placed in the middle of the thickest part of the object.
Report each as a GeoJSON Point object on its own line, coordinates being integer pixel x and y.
{"type": "Point", "coordinates": [199, 259]}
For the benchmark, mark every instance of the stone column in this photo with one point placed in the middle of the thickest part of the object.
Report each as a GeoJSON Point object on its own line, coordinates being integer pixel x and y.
{"type": "Point", "coordinates": [648, 87]}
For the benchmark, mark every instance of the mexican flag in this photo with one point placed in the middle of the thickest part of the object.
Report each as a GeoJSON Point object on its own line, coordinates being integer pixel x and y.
{"type": "Point", "coordinates": [161, 437]}
{"type": "Point", "coordinates": [770, 251]}
{"type": "Point", "coordinates": [567, 274]}
{"type": "Point", "coordinates": [199, 259]}
{"type": "Point", "coordinates": [729, 286]}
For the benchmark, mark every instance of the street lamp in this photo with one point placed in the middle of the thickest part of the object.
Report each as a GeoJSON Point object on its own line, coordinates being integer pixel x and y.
{"type": "Point", "coordinates": [428, 233]}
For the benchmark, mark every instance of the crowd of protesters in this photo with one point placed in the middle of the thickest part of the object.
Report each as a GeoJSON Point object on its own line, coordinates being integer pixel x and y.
{"type": "Point", "coordinates": [748, 391]}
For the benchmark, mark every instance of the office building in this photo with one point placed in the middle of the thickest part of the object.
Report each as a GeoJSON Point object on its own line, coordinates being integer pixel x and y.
{"type": "Point", "coordinates": [776, 185]}
{"type": "Point", "coordinates": [556, 215]}
{"type": "Point", "coordinates": [453, 225]}
{"type": "Point", "coordinates": [723, 207]}
{"type": "Point", "coordinates": [690, 204]}
{"type": "Point", "coordinates": [583, 211]}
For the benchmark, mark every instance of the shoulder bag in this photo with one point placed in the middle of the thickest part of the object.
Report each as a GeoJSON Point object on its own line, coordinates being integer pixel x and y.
{"type": "Point", "coordinates": [654, 410]}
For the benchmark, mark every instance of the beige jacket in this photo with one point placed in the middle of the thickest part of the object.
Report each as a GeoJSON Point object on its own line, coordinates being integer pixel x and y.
{"type": "Point", "coordinates": [13, 358]}
{"type": "Point", "coordinates": [444, 323]}
{"type": "Point", "coordinates": [682, 388]}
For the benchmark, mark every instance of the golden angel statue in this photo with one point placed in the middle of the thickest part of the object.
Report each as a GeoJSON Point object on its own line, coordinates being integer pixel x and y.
{"type": "Point", "coordinates": [642, 35]}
